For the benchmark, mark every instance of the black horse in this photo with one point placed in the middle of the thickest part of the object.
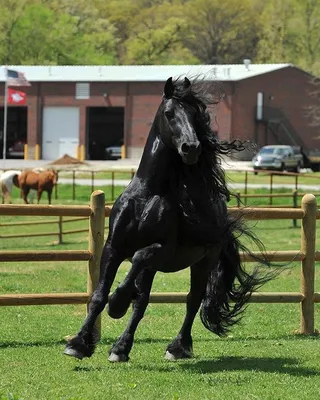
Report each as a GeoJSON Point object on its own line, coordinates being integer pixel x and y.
{"type": "Point", "coordinates": [173, 215]}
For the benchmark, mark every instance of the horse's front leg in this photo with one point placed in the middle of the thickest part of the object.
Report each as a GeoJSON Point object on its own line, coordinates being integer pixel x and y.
{"type": "Point", "coordinates": [181, 346]}
{"type": "Point", "coordinates": [83, 344]}
{"type": "Point", "coordinates": [24, 194]}
{"type": "Point", "coordinates": [49, 196]}
{"type": "Point", "coordinates": [39, 194]}
{"type": "Point", "coordinates": [121, 349]}
{"type": "Point", "coordinates": [121, 298]}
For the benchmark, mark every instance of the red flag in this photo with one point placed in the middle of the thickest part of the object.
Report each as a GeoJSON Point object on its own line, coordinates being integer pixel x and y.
{"type": "Point", "coordinates": [16, 97]}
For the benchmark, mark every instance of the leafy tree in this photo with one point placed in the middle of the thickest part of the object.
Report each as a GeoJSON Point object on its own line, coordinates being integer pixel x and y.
{"type": "Point", "coordinates": [222, 32]}
{"type": "Point", "coordinates": [10, 12]}
{"type": "Point", "coordinates": [307, 39]}
{"type": "Point", "coordinates": [157, 36]}
{"type": "Point", "coordinates": [96, 34]}
{"type": "Point", "coordinates": [42, 37]}
{"type": "Point", "coordinates": [275, 39]}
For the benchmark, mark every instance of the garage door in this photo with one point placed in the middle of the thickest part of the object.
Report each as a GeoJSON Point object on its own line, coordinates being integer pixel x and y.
{"type": "Point", "coordinates": [60, 132]}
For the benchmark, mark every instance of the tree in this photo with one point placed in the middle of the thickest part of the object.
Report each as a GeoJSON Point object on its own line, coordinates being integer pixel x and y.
{"type": "Point", "coordinates": [10, 13]}
{"type": "Point", "coordinates": [275, 39]}
{"type": "Point", "coordinates": [307, 37]}
{"type": "Point", "coordinates": [40, 36]}
{"type": "Point", "coordinates": [222, 32]}
{"type": "Point", "coordinates": [157, 36]}
{"type": "Point", "coordinates": [96, 34]}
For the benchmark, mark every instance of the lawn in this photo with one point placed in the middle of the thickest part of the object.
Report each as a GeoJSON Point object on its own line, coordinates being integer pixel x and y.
{"type": "Point", "coordinates": [262, 358]}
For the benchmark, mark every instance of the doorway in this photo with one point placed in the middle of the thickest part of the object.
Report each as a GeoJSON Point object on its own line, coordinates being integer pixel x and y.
{"type": "Point", "coordinates": [105, 132]}
{"type": "Point", "coordinates": [17, 119]}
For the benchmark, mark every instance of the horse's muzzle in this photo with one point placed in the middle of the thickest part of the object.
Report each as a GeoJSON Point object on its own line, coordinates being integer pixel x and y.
{"type": "Point", "coordinates": [190, 153]}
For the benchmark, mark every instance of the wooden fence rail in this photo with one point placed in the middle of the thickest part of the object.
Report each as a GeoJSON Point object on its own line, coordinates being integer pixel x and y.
{"type": "Point", "coordinates": [97, 211]}
{"type": "Point", "coordinates": [60, 233]}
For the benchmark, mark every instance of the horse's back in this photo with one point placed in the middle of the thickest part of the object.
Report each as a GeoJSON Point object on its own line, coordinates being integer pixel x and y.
{"type": "Point", "coordinates": [35, 180]}
{"type": "Point", "coordinates": [28, 179]}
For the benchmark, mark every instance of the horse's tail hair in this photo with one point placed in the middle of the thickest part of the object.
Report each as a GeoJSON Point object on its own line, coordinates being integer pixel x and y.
{"type": "Point", "coordinates": [229, 286]}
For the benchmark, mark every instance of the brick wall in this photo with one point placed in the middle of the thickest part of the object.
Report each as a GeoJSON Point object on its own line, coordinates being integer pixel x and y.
{"type": "Point", "coordinates": [287, 89]}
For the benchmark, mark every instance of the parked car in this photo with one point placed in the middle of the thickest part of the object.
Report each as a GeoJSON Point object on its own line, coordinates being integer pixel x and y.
{"type": "Point", "coordinates": [16, 150]}
{"type": "Point", "coordinates": [113, 152]}
{"type": "Point", "coordinates": [278, 158]}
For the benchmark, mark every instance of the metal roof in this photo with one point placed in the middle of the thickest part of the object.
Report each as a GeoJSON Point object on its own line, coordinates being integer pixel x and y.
{"type": "Point", "coordinates": [139, 73]}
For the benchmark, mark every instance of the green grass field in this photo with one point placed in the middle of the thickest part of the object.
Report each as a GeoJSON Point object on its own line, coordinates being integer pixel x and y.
{"type": "Point", "coordinates": [262, 358]}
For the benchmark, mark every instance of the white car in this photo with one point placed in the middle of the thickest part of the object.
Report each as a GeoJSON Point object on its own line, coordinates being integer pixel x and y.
{"type": "Point", "coordinates": [278, 158]}
{"type": "Point", "coordinates": [113, 152]}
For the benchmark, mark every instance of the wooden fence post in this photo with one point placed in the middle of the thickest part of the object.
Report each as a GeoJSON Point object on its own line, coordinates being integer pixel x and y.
{"type": "Point", "coordinates": [73, 185]}
{"type": "Point", "coordinates": [295, 205]}
{"type": "Point", "coordinates": [271, 188]}
{"type": "Point", "coordinates": [246, 187]}
{"type": "Point", "coordinates": [112, 185]}
{"type": "Point", "coordinates": [238, 199]}
{"type": "Point", "coordinates": [96, 242]}
{"type": "Point", "coordinates": [60, 226]}
{"type": "Point", "coordinates": [308, 242]}
{"type": "Point", "coordinates": [92, 181]}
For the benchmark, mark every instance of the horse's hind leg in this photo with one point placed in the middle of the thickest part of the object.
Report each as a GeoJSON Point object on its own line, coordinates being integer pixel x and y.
{"type": "Point", "coordinates": [181, 346]}
{"type": "Point", "coordinates": [24, 194]}
{"type": "Point", "coordinates": [121, 349]}
{"type": "Point", "coordinates": [83, 344]}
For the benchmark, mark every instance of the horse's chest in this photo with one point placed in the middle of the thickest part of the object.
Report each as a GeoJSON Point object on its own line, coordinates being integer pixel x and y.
{"type": "Point", "coordinates": [204, 224]}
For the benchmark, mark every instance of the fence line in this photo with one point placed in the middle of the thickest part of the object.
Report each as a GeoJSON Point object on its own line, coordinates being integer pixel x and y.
{"type": "Point", "coordinates": [60, 233]}
{"type": "Point", "coordinates": [97, 212]}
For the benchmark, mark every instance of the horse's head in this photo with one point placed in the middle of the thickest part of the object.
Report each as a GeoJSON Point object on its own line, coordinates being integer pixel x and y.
{"type": "Point", "coordinates": [179, 118]}
{"type": "Point", "coordinates": [54, 177]}
{"type": "Point", "coordinates": [51, 175]}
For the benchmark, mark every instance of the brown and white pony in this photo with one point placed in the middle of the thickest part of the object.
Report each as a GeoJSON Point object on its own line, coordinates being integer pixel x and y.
{"type": "Point", "coordinates": [39, 181]}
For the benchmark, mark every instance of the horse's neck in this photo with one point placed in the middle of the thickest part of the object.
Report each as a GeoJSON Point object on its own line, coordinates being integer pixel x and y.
{"type": "Point", "coordinates": [157, 163]}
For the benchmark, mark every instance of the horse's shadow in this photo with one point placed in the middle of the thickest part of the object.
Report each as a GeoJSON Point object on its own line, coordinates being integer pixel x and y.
{"type": "Point", "coordinates": [229, 364]}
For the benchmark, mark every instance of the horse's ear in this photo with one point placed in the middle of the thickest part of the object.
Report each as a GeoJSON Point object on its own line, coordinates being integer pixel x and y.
{"type": "Point", "coordinates": [187, 83]}
{"type": "Point", "coordinates": [168, 88]}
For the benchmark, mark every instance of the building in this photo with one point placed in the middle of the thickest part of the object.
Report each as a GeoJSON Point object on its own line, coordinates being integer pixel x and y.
{"type": "Point", "coordinates": [100, 106]}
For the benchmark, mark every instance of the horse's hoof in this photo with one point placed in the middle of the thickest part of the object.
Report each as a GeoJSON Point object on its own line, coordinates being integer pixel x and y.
{"type": "Point", "coordinates": [78, 348]}
{"type": "Point", "coordinates": [169, 356]}
{"type": "Point", "coordinates": [118, 358]}
{"type": "Point", "coordinates": [172, 357]}
{"type": "Point", "coordinates": [69, 351]}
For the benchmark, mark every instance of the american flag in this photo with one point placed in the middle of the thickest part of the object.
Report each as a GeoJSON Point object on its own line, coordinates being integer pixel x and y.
{"type": "Point", "coordinates": [16, 78]}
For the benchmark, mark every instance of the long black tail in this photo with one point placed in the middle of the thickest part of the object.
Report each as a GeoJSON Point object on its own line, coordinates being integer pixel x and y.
{"type": "Point", "coordinates": [229, 286]}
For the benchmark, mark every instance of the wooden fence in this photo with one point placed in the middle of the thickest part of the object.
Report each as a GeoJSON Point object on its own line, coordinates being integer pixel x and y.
{"type": "Point", "coordinates": [61, 231]}
{"type": "Point", "coordinates": [307, 254]}
{"type": "Point", "coordinates": [60, 228]}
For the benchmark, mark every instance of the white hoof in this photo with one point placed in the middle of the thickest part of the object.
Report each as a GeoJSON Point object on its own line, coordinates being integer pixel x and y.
{"type": "Point", "coordinates": [117, 357]}
{"type": "Point", "coordinates": [169, 356]}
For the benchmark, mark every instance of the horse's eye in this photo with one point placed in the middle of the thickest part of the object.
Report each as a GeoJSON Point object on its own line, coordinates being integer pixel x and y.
{"type": "Point", "coordinates": [169, 114]}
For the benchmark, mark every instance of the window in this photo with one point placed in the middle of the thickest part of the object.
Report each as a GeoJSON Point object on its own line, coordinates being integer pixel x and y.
{"type": "Point", "coordinates": [82, 91]}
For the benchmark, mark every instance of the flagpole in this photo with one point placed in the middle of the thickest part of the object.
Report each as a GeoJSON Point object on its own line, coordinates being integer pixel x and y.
{"type": "Point", "coordinates": [5, 115]}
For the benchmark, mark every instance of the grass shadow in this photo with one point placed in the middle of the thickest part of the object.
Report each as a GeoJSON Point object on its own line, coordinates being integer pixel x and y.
{"type": "Point", "coordinates": [279, 365]}
{"type": "Point", "coordinates": [37, 343]}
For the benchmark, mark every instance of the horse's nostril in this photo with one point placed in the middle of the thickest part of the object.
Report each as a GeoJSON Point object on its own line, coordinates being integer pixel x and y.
{"type": "Point", "coordinates": [185, 148]}
{"type": "Point", "coordinates": [191, 148]}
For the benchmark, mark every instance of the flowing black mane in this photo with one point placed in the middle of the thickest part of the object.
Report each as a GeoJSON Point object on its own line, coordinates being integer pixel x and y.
{"type": "Point", "coordinates": [202, 95]}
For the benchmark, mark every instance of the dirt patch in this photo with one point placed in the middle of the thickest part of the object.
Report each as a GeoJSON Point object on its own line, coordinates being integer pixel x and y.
{"type": "Point", "coordinates": [67, 160]}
